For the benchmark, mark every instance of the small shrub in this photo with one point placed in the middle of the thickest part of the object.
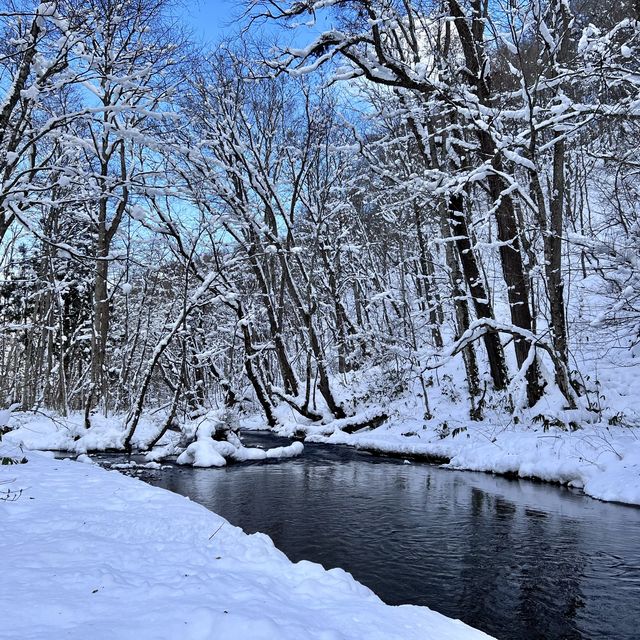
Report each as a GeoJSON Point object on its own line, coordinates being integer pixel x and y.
{"type": "Point", "coordinates": [443, 430]}
{"type": "Point", "coordinates": [549, 421]}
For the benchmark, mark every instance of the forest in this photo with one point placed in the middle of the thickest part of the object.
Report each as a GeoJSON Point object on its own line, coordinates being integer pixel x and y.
{"type": "Point", "coordinates": [319, 319]}
{"type": "Point", "coordinates": [344, 205]}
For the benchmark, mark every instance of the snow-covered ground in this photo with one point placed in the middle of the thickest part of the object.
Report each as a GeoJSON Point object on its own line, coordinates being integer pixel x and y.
{"type": "Point", "coordinates": [90, 553]}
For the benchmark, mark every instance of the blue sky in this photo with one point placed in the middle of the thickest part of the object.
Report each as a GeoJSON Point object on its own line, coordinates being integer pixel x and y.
{"type": "Point", "coordinates": [211, 19]}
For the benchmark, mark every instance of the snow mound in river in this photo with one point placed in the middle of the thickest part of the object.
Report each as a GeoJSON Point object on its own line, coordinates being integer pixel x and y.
{"type": "Point", "coordinates": [215, 444]}
{"type": "Point", "coordinates": [214, 453]}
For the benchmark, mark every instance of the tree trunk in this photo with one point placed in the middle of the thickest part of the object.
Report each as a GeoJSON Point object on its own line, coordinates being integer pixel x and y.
{"type": "Point", "coordinates": [479, 294]}
{"type": "Point", "coordinates": [431, 297]}
{"type": "Point", "coordinates": [513, 271]}
{"type": "Point", "coordinates": [471, 31]}
{"type": "Point", "coordinates": [323, 383]}
{"type": "Point", "coordinates": [461, 308]}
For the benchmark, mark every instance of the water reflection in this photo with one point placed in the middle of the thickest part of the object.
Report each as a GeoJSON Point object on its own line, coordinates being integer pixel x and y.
{"type": "Point", "coordinates": [514, 558]}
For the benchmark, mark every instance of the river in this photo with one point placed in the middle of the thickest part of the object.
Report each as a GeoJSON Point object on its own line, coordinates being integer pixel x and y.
{"type": "Point", "coordinates": [517, 559]}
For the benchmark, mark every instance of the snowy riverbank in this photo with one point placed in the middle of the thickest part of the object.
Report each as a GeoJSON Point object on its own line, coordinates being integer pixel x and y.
{"type": "Point", "coordinates": [601, 459]}
{"type": "Point", "coordinates": [89, 552]}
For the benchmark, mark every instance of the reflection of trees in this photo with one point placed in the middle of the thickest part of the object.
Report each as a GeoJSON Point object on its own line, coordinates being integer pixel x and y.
{"type": "Point", "coordinates": [550, 577]}
{"type": "Point", "coordinates": [487, 559]}
{"type": "Point", "coordinates": [522, 567]}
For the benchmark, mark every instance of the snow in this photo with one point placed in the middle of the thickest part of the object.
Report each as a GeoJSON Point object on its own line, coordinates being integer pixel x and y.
{"type": "Point", "coordinates": [603, 461]}
{"type": "Point", "coordinates": [203, 454]}
{"type": "Point", "coordinates": [5, 415]}
{"type": "Point", "coordinates": [50, 432]}
{"type": "Point", "coordinates": [138, 213]}
{"type": "Point", "coordinates": [44, 431]}
{"type": "Point", "coordinates": [211, 453]}
{"type": "Point", "coordinates": [89, 552]}
{"type": "Point", "coordinates": [206, 451]}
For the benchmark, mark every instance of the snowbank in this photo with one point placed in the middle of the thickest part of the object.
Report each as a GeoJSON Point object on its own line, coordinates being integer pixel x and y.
{"type": "Point", "coordinates": [602, 460]}
{"type": "Point", "coordinates": [91, 553]}
{"type": "Point", "coordinates": [50, 432]}
{"type": "Point", "coordinates": [214, 453]}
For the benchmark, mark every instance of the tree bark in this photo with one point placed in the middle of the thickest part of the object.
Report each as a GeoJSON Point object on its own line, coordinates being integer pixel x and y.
{"type": "Point", "coordinates": [479, 294]}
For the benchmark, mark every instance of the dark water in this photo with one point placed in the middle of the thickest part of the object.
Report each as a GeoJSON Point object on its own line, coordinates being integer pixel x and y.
{"type": "Point", "coordinates": [516, 559]}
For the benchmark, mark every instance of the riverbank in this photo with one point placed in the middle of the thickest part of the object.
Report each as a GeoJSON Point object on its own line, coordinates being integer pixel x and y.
{"type": "Point", "coordinates": [602, 460]}
{"type": "Point", "coordinates": [91, 552]}
{"type": "Point", "coordinates": [595, 447]}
